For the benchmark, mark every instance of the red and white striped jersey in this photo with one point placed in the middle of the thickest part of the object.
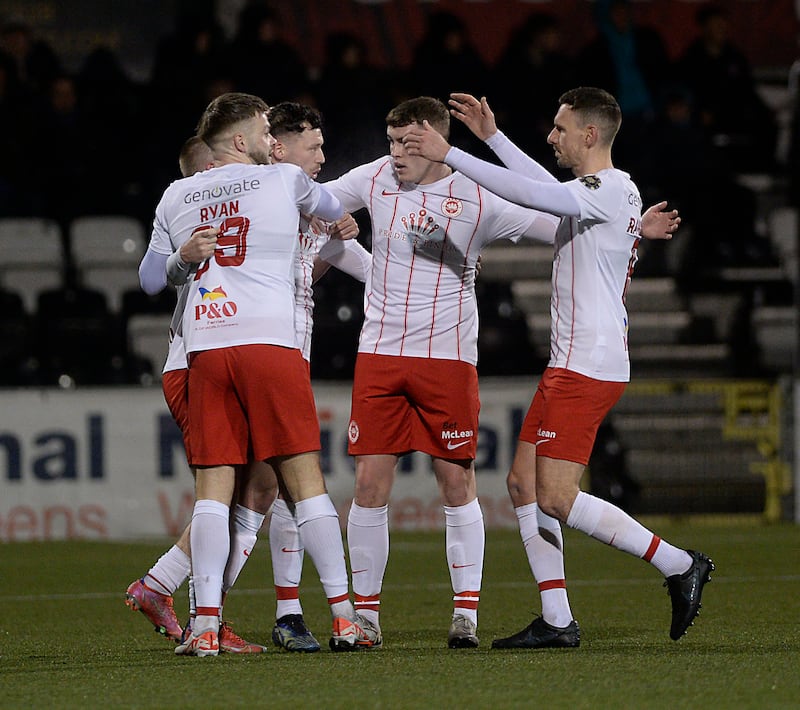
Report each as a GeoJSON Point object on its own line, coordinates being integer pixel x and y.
{"type": "Point", "coordinates": [420, 299]}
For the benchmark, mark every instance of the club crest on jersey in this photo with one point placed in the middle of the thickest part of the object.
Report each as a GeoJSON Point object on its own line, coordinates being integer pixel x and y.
{"type": "Point", "coordinates": [214, 305]}
{"type": "Point", "coordinates": [352, 432]}
{"type": "Point", "coordinates": [452, 206]}
{"type": "Point", "coordinates": [590, 181]}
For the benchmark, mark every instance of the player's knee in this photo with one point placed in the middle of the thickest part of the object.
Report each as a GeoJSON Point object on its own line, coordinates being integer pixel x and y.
{"type": "Point", "coordinates": [521, 489]}
{"type": "Point", "coordinates": [554, 502]}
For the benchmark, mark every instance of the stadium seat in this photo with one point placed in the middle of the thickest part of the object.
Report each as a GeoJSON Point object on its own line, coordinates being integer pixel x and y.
{"type": "Point", "coordinates": [77, 337]}
{"type": "Point", "coordinates": [30, 241]}
{"type": "Point", "coordinates": [30, 281]}
{"type": "Point", "coordinates": [18, 364]}
{"type": "Point", "coordinates": [113, 281]}
{"type": "Point", "coordinates": [148, 338]}
{"type": "Point", "coordinates": [33, 257]}
{"type": "Point", "coordinates": [96, 240]}
{"type": "Point", "coordinates": [106, 251]}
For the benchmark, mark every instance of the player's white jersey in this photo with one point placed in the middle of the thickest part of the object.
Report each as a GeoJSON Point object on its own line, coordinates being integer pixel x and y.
{"type": "Point", "coordinates": [420, 300]}
{"type": "Point", "coordinates": [257, 207]}
{"type": "Point", "coordinates": [176, 355]}
{"type": "Point", "coordinates": [591, 270]}
{"type": "Point", "coordinates": [311, 241]}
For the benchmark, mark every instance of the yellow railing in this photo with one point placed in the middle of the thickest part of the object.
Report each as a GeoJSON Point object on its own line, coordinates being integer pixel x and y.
{"type": "Point", "coordinates": [752, 411]}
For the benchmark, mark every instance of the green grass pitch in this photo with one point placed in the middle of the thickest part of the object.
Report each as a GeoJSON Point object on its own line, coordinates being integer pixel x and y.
{"type": "Point", "coordinates": [68, 641]}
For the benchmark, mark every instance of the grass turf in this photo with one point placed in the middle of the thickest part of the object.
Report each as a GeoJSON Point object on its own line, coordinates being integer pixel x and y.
{"type": "Point", "coordinates": [67, 640]}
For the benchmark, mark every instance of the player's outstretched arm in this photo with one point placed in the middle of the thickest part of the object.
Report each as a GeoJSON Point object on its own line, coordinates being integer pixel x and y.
{"type": "Point", "coordinates": [659, 222]}
{"type": "Point", "coordinates": [474, 114]}
{"type": "Point", "coordinates": [479, 118]}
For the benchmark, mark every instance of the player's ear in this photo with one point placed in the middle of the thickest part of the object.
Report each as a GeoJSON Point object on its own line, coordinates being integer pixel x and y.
{"type": "Point", "coordinates": [239, 142]}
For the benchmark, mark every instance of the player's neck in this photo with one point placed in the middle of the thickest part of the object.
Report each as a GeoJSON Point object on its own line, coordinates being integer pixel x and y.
{"type": "Point", "coordinates": [593, 164]}
{"type": "Point", "coordinates": [435, 172]}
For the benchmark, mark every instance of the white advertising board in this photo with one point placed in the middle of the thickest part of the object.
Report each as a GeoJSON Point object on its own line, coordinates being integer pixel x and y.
{"type": "Point", "coordinates": [108, 464]}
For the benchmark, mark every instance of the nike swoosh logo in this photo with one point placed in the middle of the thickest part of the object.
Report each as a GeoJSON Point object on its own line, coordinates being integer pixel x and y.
{"type": "Point", "coordinates": [284, 549]}
{"type": "Point", "coordinates": [359, 571]}
{"type": "Point", "coordinates": [387, 194]}
{"type": "Point", "coordinates": [451, 445]}
{"type": "Point", "coordinates": [455, 566]}
{"type": "Point", "coordinates": [541, 441]}
{"type": "Point", "coordinates": [246, 553]}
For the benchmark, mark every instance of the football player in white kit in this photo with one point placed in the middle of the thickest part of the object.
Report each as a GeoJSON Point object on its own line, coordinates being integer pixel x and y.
{"type": "Point", "coordinates": [595, 252]}
{"type": "Point", "coordinates": [152, 593]}
{"type": "Point", "coordinates": [415, 383]}
{"type": "Point", "coordinates": [297, 130]}
{"type": "Point", "coordinates": [239, 331]}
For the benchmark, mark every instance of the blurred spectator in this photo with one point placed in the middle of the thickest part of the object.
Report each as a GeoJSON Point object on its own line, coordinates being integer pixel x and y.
{"type": "Point", "coordinates": [35, 63]}
{"type": "Point", "coordinates": [630, 61]}
{"type": "Point", "coordinates": [702, 189]}
{"type": "Point", "coordinates": [738, 123]}
{"type": "Point", "coordinates": [187, 61]}
{"type": "Point", "coordinates": [533, 59]}
{"type": "Point", "coordinates": [445, 60]}
{"type": "Point", "coordinates": [263, 63]}
{"type": "Point", "coordinates": [62, 167]}
{"type": "Point", "coordinates": [16, 135]}
{"type": "Point", "coordinates": [105, 91]}
{"type": "Point", "coordinates": [356, 134]}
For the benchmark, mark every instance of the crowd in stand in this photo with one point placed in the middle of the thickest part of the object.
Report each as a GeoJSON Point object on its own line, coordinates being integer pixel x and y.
{"type": "Point", "coordinates": [96, 142]}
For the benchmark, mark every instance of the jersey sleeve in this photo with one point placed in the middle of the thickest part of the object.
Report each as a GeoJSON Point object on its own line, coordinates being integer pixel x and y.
{"type": "Point", "coordinates": [517, 160]}
{"type": "Point", "coordinates": [510, 221]}
{"type": "Point", "coordinates": [160, 241]}
{"type": "Point", "coordinates": [552, 197]}
{"type": "Point", "coordinates": [599, 198]}
{"type": "Point", "coordinates": [310, 197]}
{"type": "Point", "coordinates": [353, 188]}
{"type": "Point", "coordinates": [348, 256]}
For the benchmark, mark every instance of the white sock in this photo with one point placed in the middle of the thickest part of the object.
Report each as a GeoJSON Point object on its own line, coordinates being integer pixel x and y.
{"type": "Point", "coordinates": [169, 572]}
{"type": "Point", "coordinates": [544, 546]}
{"type": "Point", "coordinates": [611, 525]}
{"type": "Point", "coordinates": [465, 537]}
{"type": "Point", "coordinates": [321, 536]}
{"type": "Point", "coordinates": [210, 541]}
{"type": "Point", "coordinates": [287, 559]}
{"type": "Point", "coordinates": [244, 533]}
{"type": "Point", "coordinates": [368, 543]}
{"type": "Point", "coordinates": [192, 599]}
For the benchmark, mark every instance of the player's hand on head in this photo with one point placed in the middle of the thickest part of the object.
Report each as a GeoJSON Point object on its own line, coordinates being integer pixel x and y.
{"type": "Point", "coordinates": [474, 114]}
{"type": "Point", "coordinates": [425, 141]}
{"type": "Point", "coordinates": [659, 222]}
